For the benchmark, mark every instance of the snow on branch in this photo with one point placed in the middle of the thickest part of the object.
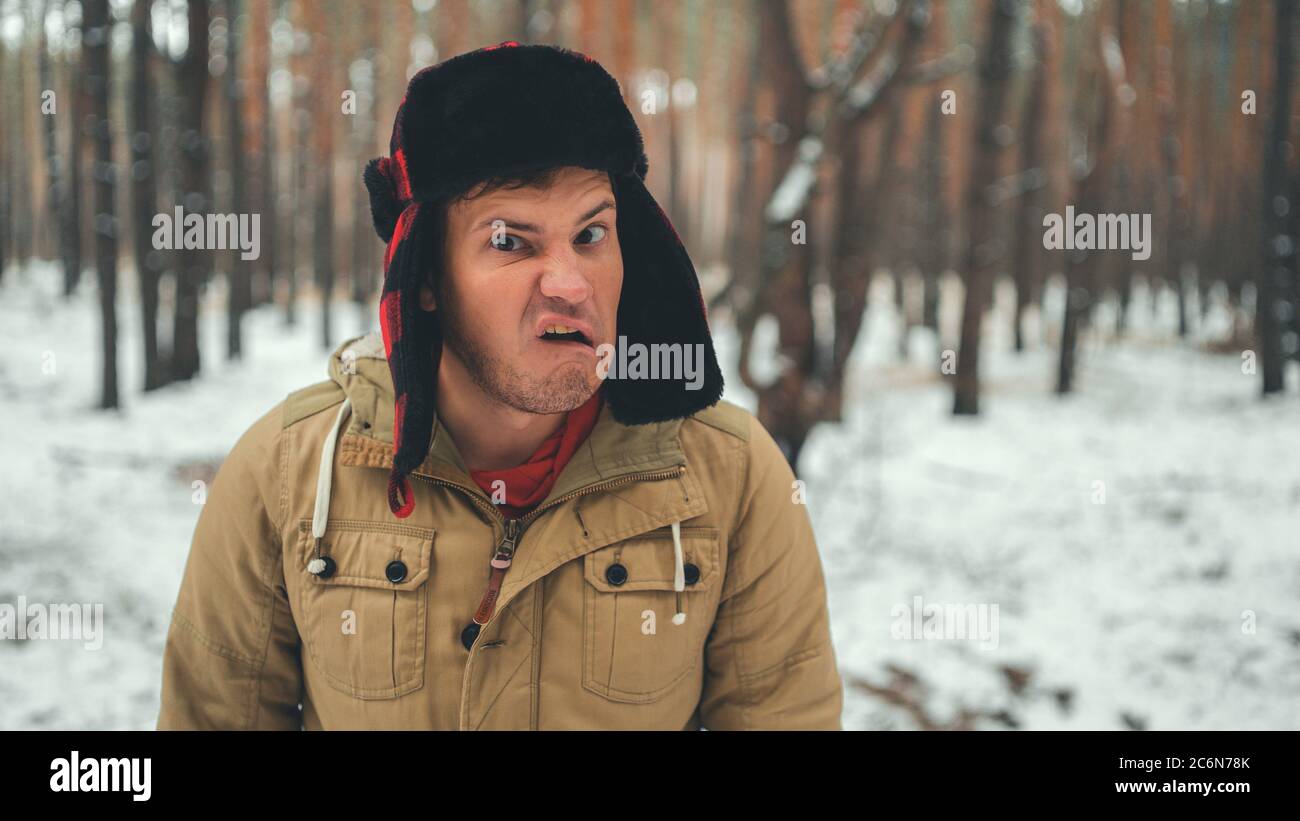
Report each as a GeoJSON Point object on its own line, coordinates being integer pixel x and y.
{"type": "Point", "coordinates": [791, 196]}
{"type": "Point", "coordinates": [870, 88]}
{"type": "Point", "coordinates": [954, 62]}
{"type": "Point", "coordinates": [838, 72]}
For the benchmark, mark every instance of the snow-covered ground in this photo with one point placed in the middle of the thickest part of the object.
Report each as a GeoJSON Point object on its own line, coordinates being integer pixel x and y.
{"type": "Point", "coordinates": [1138, 538]}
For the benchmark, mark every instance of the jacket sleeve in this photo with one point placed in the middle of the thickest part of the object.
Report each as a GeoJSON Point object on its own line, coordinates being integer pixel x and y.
{"type": "Point", "coordinates": [231, 659]}
{"type": "Point", "coordinates": [770, 663]}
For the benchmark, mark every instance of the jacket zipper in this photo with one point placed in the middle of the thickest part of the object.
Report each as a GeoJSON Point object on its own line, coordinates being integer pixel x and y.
{"type": "Point", "coordinates": [514, 528]}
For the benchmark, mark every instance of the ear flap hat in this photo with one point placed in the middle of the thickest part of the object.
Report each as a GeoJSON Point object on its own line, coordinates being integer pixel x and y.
{"type": "Point", "coordinates": [502, 110]}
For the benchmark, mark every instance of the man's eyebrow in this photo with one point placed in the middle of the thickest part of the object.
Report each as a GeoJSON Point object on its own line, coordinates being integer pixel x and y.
{"type": "Point", "coordinates": [517, 226]}
{"type": "Point", "coordinates": [593, 212]}
{"type": "Point", "coordinates": [529, 227]}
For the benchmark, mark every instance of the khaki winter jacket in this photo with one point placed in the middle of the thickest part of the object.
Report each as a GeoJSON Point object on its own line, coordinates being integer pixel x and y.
{"type": "Point", "coordinates": [583, 635]}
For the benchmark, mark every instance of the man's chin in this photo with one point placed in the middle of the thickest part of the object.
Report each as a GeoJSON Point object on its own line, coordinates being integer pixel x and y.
{"type": "Point", "coordinates": [564, 389]}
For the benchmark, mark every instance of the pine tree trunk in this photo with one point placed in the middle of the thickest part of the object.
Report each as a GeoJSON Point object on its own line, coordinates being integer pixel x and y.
{"type": "Point", "coordinates": [70, 219]}
{"type": "Point", "coordinates": [6, 204]}
{"type": "Point", "coordinates": [1279, 248]}
{"type": "Point", "coordinates": [323, 158]}
{"type": "Point", "coordinates": [54, 191]}
{"type": "Point", "coordinates": [239, 294]}
{"type": "Point", "coordinates": [97, 79]}
{"type": "Point", "coordinates": [934, 219]}
{"type": "Point", "coordinates": [1029, 222]}
{"type": "Point", "coordinates": [144, 194]}
{"type": "Point", "coordinates": [194, 263]}
{"type": "Point", "coordinates": [990, 111]}
{"type": "Point", "coordinates": [262, 184]}
{"type": "Point", "coordinates": [1082, 266]}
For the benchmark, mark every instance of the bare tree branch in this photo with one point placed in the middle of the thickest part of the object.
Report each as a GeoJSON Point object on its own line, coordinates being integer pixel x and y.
{"type": "Point", "coordinates": [838, 71]}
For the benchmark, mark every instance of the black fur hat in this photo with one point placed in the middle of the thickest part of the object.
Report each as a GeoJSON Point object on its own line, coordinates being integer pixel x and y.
{"type": "Point", "coordinates": [512, 109]}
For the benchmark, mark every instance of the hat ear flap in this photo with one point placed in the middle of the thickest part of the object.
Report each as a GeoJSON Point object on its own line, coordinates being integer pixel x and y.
{"type": "Point", "coordinates": [413, 343]}
{"type": "Point", "coordinates": [661, 304]}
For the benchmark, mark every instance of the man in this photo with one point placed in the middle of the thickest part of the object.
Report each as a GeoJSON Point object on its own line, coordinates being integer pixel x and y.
{"type": "Point", "coordinates": [592, 540]}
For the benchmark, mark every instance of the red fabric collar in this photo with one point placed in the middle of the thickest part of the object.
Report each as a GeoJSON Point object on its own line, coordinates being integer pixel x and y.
{"type": "Point", "coordinates": [526, 485]}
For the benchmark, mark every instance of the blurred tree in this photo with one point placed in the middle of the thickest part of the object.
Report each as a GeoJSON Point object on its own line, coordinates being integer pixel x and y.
{"type": "Point", "coordinates": [520, 14]}
{"type": "Point", "coordinates": [1274, 304]}
{"type": "Point", "coordinates": [745, 234]}
{"type": "Point", "coordinates": [19, 168]}
{"type": "Point", "coordinates": [1101, 120]}
{"type": "Point", "coordinates": [454, 23]}
{"type": "Point", "coordinates": [624, 57]}
{"type": "Point", "coordinates": [299, 154]}
{"type": "Point", "coordinates": [261, 143]}
{"type": "Point", "coordinates": [1241, 251]}
{"type": "Point", "coordinates": [53, 166]}
{"type": "Point", "coordinates": [193, 263]}
{"type": "Point", "coordinates": [821, 114]}
{"type": "Point", "coordinates": [239, 294]}
{"type": "Point", "coordinates": [1028, 225]}
{"type": "Point", "coordinates": [6, 185]}
{"type": "Point", "coordinates": [1132, 92]}
{"type": "Point", "coordinates": [325, 108]}
{"type": "Point", "coordinates": [934, 220]}
{"type": "Point", "coordinates": [990, 113]}
{"type": "Point", "coordinates": [71, 226]}
{"type": "Point", "coordinates": [97, 36]}
{"type": "Point", "coordinates": [1172, 90]}
{"type": "Point", "coordinates": [365, 244]}
{"type": "Point", "coordinates": [862, 232]}
{"type": "Point", "coordinates": [144, 189]}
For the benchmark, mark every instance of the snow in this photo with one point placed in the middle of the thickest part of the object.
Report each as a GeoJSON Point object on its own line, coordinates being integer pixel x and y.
{"type": "Point", "coordinates": [1114, 614]}
{"type": "Point", "coordinates": [98, 506]}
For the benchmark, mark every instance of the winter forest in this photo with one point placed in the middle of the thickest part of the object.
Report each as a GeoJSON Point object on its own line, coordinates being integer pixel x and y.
{"type": "Point", "coordinates": [1013, 283]}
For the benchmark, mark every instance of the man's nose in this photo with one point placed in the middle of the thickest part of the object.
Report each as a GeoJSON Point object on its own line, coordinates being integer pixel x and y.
{"type": "Point", "coordinates": [563, 277]}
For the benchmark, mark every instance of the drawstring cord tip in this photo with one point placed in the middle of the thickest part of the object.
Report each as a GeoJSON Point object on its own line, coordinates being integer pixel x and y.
{"type": "Point", "coordinates": [679, 575]}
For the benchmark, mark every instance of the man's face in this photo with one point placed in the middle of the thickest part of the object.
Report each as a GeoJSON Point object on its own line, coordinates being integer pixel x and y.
{"type": "Point", "coordinates": [531, 288]}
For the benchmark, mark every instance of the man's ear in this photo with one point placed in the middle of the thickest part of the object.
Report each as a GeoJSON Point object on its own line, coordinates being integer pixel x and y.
{"type": "Point", "coordinates": [427, 300]}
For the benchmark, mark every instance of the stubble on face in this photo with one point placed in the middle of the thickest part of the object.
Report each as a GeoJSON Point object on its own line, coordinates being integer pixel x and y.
{"type": "Point", "coordinates": [566, 388]}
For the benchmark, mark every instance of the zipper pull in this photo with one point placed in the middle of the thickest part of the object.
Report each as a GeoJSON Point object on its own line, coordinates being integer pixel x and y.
{"type": "Point", "coordinates": [506, 550]}
{"type": "Point", "coordinates": [500, 564]}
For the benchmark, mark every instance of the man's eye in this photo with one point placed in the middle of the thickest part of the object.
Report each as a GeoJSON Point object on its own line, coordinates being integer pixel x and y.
{"type": "Point", "coordinates": [506, 242]}
{"type": "Point", "coordinates": [595, 234]}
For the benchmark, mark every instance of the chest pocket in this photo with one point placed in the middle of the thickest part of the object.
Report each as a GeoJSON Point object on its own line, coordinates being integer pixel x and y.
{"type": "Point", "coordinates": [632, 650]}
{"type": "Point", "coordinates": [364, 626]}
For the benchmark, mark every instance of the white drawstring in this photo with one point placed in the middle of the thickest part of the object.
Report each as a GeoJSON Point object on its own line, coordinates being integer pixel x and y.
{"type": "Point", "coordinates": [679, 573]}
{"type": "Point", "coordinates": [324, 477]}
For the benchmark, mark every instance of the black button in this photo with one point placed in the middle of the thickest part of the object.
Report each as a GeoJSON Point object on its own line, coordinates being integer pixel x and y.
{"type": "Point", "coordinates": [396, 571]}
{"type": "Point", "coordinates": [470, 633]}
{"type": "Point", "coordinates": [692, 573]}
{"type": "Point", "coordinates": [330, 567]}
{"type": "Point", "coordinates": [616, 574]}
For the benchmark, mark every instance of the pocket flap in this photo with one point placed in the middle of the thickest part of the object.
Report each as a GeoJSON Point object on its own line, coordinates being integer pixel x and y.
{"type": "Point", "coordinates": [649, 563]}
{"type": "Point", "coordinates": [363, 551]}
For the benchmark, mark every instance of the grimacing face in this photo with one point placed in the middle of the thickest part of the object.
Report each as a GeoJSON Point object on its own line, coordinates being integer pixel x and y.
{"type": "Point", "coordinates": [531, 286]}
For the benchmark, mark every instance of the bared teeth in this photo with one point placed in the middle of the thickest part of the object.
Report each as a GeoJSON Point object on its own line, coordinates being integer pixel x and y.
{"type": "Point", "coordinates": [560, 329]}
